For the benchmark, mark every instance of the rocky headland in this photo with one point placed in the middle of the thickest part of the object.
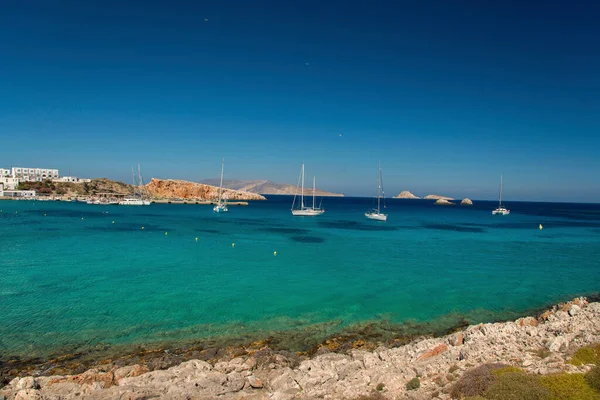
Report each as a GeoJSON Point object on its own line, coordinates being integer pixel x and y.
{"type": "Point", "coordinates": [405, 194]}
{"type": "Point", "coordinates": [179, 189]}
{"type": "Point", "coordinates": [425, 368]}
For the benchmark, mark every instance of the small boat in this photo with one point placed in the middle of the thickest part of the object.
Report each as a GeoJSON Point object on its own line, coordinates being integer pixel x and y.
{"type": "Point", "coordinates": [501, 210]}
{"type": "Point", "coordinates": [221, 205]}
{"type": "Point", "coordinates": [302, 210]}
{"type": "Point", "coordinates": [376, 214]}
{"type": "Point", "coordinates": [138, 197]}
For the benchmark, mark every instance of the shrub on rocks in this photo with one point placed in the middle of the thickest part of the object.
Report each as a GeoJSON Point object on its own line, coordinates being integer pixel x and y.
{"type": "Point", "coordinates": [569, 387]}
{"type": "Point", "coordinates": [475, 381]}
{"type": "Point", "coordinates": [592, 378]}
{"type": "Point", "coordinates": [517, 386]}
{"type": "Point", "coordinates": [586, 355]}
{"type": "Point", "coordinates": [413, 384]}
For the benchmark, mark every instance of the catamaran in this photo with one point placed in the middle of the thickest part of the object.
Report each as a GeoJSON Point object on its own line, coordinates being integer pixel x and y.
{"type": "Point", "coordinates": [376, 214]}
{"type": "Point", "coordinates": [137, 199]}
{"type": "Point", "coordinates": [221, 205]}
{"type": "Point", "coordinates": [303, 210]}
{"type": "Point", "coordinates": [501, 210]}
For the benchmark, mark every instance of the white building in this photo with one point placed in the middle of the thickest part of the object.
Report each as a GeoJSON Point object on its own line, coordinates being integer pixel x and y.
{"type": "Point", "coordinates": [8, 183]}
{"type": "Point", "coordinates": [72, 179]}
{"type": "Point", "coordinates": [33, 174]}
{"type": "Point", "coordinates": [4, 173]}
{"type": "Point", "coordinates": [27, 194]}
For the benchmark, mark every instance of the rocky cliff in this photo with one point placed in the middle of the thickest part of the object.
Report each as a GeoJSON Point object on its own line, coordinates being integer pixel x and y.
{"type": "Point", "coordinates": [406, 195]}
{"type": "Point", "coordinates": [171, 188]}
{"type": "Point", "coordinates": [428, 368]}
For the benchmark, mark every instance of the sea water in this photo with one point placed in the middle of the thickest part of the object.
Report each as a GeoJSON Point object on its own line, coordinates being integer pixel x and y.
{"type": "Point", "coordinates": [74, 276]}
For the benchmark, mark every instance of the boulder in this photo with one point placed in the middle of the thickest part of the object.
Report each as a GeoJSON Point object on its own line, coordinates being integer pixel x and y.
{"type": "Point", "coordinates": [439, 349]}
{"type": "Point", "coordinates": [466, 202]}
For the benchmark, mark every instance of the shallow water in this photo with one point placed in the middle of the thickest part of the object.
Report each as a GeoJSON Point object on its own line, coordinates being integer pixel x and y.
{"type": "Point", "coordinates": [72, 279]}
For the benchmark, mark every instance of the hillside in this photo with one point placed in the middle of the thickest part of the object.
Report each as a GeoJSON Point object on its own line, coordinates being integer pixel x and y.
{"type": "Point", "coordinates": [98, 185]}
{"type": "Point", "coordinates": [265, 187]}
{"type": "Point", "coordinates": [172, 188]}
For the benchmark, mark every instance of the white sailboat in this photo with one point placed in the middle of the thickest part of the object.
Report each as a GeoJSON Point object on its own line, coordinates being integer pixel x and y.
{"type": "Point", "coordinates": [303, 210]}
{"type": "Point", "coordinates": [501, 210]}
{"type": "Point", "coordinates": [221, 205]}
{"type": "Point", "coordinates": [376, 214]}
{"type": "Point", "coordinates": [137, 199]}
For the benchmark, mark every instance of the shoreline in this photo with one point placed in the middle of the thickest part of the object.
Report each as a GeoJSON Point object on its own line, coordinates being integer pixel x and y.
{"type": "Point", "coordinates": [367, 336]}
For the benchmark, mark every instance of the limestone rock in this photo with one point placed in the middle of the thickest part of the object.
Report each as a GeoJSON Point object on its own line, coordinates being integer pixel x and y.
{"type": "Point", "coordinates": [171, 188]}
{"type": "Point", "coordinates": [439, 349]}
{"type": "Point", "coordinates": [405, 194]}
{"type": "Point", "coordinates": [466, 202]}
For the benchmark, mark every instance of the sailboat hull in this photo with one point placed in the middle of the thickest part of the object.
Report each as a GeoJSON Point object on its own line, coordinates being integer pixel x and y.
{"type": "Point", "coordinates": [309, 212]}
{"type": "Point", "coordinates": [134, 202]}
{"type": "Point", "coordinates": [501, 211]}
{"type": "Point", "coordinates": [376, 216]}
{"type": "Point", "coordinates": [220, 208]}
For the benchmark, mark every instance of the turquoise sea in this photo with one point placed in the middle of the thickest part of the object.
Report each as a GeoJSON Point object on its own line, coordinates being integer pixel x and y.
{"type": "Point", "coordinates": [76, 276]}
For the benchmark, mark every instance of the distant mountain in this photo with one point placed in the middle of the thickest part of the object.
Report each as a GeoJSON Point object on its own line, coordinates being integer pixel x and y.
{"type": "Point", "coordinates": [265, 187]}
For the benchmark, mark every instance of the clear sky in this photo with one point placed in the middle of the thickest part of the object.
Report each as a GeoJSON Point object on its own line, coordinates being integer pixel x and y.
{"type": "Point", "coordinates": [447, 94]}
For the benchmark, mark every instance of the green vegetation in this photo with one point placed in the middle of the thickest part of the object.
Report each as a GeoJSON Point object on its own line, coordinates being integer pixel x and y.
{"type": "Point", "coordinates": [586, 355]}
{"type": "Point", "coordinates": [569, 387]}
{"type": "Point", "coordinates": [44, 188]}
{"type": "Point", "coordinates": [593, 378]}
{"type": "Point", "coordinates": [380, 387]}
{"type": "Point", "coordinates": [499, 382]}
{"type": "Point", "coordinates": [517, 386]}
{"type": "Point", "coordinates": [542, 352]}
{"type": "Point", "coordinates": [413, 384]}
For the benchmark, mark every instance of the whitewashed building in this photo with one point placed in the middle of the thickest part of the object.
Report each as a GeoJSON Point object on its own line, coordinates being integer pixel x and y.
{"type": "Point", "coordinates": [26, 194]}
{"type": "Point", "coordinates": [33, 174]}
{"type": "Point", "coordinates": [72, 179]}
{"type": "Point", "coordinates": [8, 182]}
{"type": "Point", "coordinates": [4, 173]}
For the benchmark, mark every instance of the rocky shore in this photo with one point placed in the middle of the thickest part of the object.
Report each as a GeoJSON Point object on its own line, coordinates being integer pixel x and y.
{"type": "Point", "coordinates": [425, 368]}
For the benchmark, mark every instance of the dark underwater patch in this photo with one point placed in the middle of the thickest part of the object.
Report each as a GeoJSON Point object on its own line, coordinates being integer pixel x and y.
{"type": "Point", "coordinates": [286, 231]}
{"type": "Point", "coordinates": [128, 228]}
{"type": "Point", "coordinates": [307, 239]}
{"type": "Point", "coordinates": [357, 226]}
{"type": "Point", "coordinates": [213, 231]}
{"type": "Point", "coordinates": [455, 228]}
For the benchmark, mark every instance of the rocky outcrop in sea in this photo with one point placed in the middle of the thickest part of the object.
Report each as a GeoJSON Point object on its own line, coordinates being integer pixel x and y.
{"type": "Point", "coordinates": [422, 369]}
{"type": "Point", "coordinates": [405, 194]}
{"type": "Point", "coordinates": [436, 197]}
{"type": "Point", "coordinates": [466, 202]}
{"type": "Point", "coordinates": [443, 202]}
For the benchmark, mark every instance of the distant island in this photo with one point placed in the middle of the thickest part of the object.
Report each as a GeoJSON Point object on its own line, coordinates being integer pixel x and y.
{"type": "Point", "coordinates": [437, 197]}
{"type": "Point", "coordinates": [267, 187]}
{"type": "Point", "coordinates": [405, 194]}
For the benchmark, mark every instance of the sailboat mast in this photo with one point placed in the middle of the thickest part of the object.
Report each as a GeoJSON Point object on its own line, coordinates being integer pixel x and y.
{"type": "Point", "coordinates": [140, 182]}
{"type": "Point", "coordinates": [500, 198]}
{"type": "Point", "coordinates": [221, 185]}
{"type": "Point", "coordinates": [302, 192]}
{"type": "Point", "coordinates": [133, 180]}
{"type": "Point", "coordinates": [379, 188]}
{"type": "Point", "coordinates": [314, 188]}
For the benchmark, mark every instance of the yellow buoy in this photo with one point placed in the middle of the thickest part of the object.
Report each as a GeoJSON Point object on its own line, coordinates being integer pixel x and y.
{"type": "Point", "coordinates": [196, 239]}
{"type": "Point", "coordinates": [541, 227]}
{"type": "Point", "coordinates": [166, 233]}
{"type": "Point", "coordinates": [44, 215]}
{"type": "Point", "coordinates": [232, 244]}
{"type": "Point", "coordinates": [142, 227]}
{"type": "Point", "coordinates": [113, 222]}
{"type": "Point", "coordinates": [81, 218]}
{"type": "Point", "coordinates": [274, 253]}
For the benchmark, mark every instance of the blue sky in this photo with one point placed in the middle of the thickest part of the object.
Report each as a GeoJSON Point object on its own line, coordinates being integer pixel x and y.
{"type": "Point", "coordinates": [448, 95]}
